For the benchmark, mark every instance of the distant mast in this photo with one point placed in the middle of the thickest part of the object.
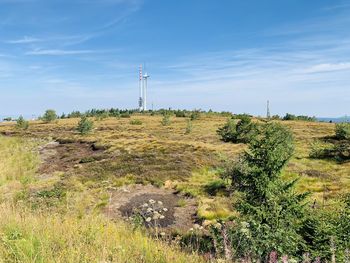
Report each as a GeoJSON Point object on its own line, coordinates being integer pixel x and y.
{"type": "Point", "coordinates": [268, 115]}
{"type": "Point", "coordinates": [141, 89]}
{"type": "Point", "coordinates": [145, 77]}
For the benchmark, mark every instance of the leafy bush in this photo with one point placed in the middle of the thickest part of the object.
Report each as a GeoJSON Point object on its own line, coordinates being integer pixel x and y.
{"type": "Point", "coordinates": [240, 131]}
{"type": "Point", "coordinates": [85, 125]}
{"type": "Point", "coordinates": [22, 123]}
{"type": "Point", "coordinates": [135, 122]}
{"type": "Point", "coordinates": [342, 131]}
{"type": "Point", "coordinates": [49, 116]}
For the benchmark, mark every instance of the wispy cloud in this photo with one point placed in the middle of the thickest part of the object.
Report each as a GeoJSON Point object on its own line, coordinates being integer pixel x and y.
{"type": "Point", "coordinates": [24, 40]}
{"type": "Point", "coordinates": [327, 67]}
{"type": "Point", "coordinates": [58, 52]}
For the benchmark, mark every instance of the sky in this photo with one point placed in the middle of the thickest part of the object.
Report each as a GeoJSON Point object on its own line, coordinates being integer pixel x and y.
{"type": "Point", "coordinates": [227, 55]}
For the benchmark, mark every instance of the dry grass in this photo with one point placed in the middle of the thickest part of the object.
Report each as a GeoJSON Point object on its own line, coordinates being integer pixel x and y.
{"type": "Point", "coordinates": [70, 236]}
{"type": "Point", "coordinates": [155, 153]}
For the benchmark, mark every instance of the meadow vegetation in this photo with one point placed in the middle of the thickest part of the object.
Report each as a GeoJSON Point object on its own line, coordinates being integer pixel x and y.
{"type": "Point", "coordinates": [204, 157]}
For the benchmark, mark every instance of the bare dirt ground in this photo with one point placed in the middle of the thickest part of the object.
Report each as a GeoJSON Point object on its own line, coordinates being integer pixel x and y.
{"type": "Point", "coordinates": [56, 156]}
{"type": "Point", "coordinates": [64, 157]}
{"type": "Point", "coordinates": [180, 214]}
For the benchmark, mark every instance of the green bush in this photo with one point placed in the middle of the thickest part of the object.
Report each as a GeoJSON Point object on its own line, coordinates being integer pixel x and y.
{"type": "Point", "coordinates": [85, 125]}
{"type": "Point", "coordinates": [342, 131]}
{"type": "Point", "coordinates": [240, 131]}
{"type": "Point", "coordinates": [195, 115]}
{"type": "Point", "coordinates": [125, 115]}
{"type": "Point", "coordinates": [49, 116]}
{"type": "Point", "coordinates": [166, 119]}
{"type": "Point", "coordinates": [135, 122]}
{"type": "Point", "coordinates": [22, 123]}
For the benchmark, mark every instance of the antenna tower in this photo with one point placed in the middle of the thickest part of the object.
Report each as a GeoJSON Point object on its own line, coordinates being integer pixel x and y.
{"type": "Point", "coordinates": [268, 115]}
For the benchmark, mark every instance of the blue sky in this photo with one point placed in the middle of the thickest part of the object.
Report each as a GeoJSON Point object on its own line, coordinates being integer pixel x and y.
{"type": "Point", "coordinates": [224, 55]}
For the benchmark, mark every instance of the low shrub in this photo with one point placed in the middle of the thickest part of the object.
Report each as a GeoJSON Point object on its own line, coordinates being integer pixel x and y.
{"type": "Point", "coordinates": [135, 122]}
{"type": "Point", "coordinates": [189, 127]}
{"type": "Point", "coordinates": [166, 119]}
{"type": "Point", "coordinates": [22, 123]}
{"type": "Point", "coordinates": [342, 131]}
{"type": "Point", "coordinates": [125, 115]}
{"type": "Point", "coordinates": [240, 131]}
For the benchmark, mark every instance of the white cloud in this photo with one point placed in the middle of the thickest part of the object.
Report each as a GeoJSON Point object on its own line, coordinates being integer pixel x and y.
{"type": "Point", "coordinates": [327, 67]}
{"type": "Point", "coordinates": [24, 40]}
{"type": "Point", "coordinates": [58, 52]}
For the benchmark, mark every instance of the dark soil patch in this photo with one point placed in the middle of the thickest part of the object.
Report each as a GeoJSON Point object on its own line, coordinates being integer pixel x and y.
{"type": "Point", "coordinates": [62, 157]}
{"type": "Point", "coordinates": [169, 201]}
{"type": "Point", "coordinates": [125, 200]}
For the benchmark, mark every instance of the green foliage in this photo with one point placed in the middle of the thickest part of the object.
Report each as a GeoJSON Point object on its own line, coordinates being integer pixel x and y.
{"type": "Point", "coordinates": [8, 119]}
{"type": "Point", "coordinates": [291, 117]}
{"type": "Point", "coordinates": [342, 131]}
{"type": "Point", "coordinates": [49, 116]}
{"type": "Point", "coordinates": [271, 211]}
{"type": "Point", "coordinates": [216, 186]}
{"type": "Point", "coordinates": [241, 131]}
{"type": "Point", "coordinates": [125, 115]}
{"type": "Point", "coordinates": [166, 119]}
{"type": "Point", "coordinates": [180, 114]}
{"type": "Point", "coordinates": [135, 122]}
{"type": "Point", "coordinates": [22, 123]}
{"type": "Point", "coordinates": [195, 115]}
{"type": "Point", "coordinates": [339, 150]}
{"type": "Point", "coordinates": [85, 125]}
{"type": "Point", "coordinates": [189, 127]}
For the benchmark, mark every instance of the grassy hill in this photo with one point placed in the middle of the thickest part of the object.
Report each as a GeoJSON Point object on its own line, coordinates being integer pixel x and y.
{"type": "Point", "coordinates": [59, 187]}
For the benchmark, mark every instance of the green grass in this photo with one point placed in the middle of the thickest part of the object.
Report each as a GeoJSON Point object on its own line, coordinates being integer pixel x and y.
{"type": "Point", "coordinates": [73, 234]}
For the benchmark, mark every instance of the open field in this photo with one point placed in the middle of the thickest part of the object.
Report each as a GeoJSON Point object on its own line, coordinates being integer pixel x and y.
{"type": "Point", "coordinates": [60, 187]}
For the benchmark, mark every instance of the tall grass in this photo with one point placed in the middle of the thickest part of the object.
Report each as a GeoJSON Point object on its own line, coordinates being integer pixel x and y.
{"type": "Point", "coordinates": [27, 237]}
{"type": "Point", "coordinates": [41, 237]}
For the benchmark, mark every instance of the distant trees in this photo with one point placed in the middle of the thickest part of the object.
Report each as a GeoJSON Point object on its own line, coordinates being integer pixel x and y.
{"type": "Point", "coordinates": [291, 117]}
{"type": "Point", "coordinates": [49, 115]}
{"type": "Point", "coordinates": [85, 125]}
{"type": "Point", "coordinates": [22, 123]}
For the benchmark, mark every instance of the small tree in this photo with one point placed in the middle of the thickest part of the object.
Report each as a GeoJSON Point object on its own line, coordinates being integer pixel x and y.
{"type": "Point", "coordinates": [22, 123]}
{"type": "Point", "coordinates": [49, 116]}
{"type": "Point", "coordinates": [85, 125]}
{"type": "Point", "coordinates": [342, 131]}
{"type": "Point", "coordinates": [166, 119]}
{"type": "Point", "coordinates": [271, 211]}
{"type": "Point", "coordinates": [189, 127]}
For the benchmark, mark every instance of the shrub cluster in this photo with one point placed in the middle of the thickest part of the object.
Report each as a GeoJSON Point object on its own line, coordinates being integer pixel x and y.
{"type": "Point", "coordinates": [291, 117]}
{"type": "Point", "coordinates": [240, 131]}
{"type": "Point", "coordinates": [342, 131]}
